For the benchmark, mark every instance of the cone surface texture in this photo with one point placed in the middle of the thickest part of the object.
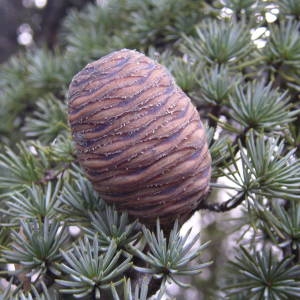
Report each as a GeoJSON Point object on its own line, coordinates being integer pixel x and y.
{"type": "Point", "coordinates": [139, 138]}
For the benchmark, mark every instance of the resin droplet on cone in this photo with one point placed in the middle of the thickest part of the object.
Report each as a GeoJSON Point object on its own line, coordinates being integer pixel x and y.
{"type": "Point", "coordinates": [139, 138]}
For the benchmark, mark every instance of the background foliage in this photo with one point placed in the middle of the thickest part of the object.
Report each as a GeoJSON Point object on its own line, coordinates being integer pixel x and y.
{"type": "Point", "coordinates": [239, 61]}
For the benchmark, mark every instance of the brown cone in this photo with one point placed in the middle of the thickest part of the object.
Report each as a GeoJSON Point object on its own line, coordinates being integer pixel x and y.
{"type": "Point", "coordinates": [139, 138]}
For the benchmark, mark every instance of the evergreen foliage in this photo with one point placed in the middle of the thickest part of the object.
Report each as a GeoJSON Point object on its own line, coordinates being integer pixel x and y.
{"type": "Point", "coordinates": [243, 74]}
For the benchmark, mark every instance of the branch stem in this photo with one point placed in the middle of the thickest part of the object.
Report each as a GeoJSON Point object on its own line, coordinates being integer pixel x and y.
{"type": "Point", "coordinates": [224, 206]}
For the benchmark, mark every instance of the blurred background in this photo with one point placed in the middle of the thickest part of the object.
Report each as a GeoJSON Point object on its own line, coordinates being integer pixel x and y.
{"type": "Point", "coordinates": [24, 23]}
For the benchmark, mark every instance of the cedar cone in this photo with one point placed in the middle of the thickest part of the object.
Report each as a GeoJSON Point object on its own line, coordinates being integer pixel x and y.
{"type": "Point", "coordinates": [139, 138]}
